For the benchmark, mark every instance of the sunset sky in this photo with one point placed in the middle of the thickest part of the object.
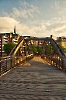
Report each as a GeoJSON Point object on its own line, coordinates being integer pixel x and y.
{"type": "Point", "coordinates": [33, 17]}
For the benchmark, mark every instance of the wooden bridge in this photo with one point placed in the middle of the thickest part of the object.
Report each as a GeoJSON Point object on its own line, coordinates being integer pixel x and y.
{"type": "Point", "coordinates": [33, 80]}
{"type": "Point", "coordinates": [23, 76]}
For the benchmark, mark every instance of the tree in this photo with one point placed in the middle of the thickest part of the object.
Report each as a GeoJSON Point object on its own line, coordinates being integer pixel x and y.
{"type": "Point", "coordinates": [49, 49]}
{"type": "Point", "coordinates": [37, 49]}
{"type": "Point", "coordinates": [34, 49]}
{"type": "Point", "coordinates": [8, 47]}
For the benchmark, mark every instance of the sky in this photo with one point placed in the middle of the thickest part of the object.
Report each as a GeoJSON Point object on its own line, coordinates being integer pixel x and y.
{"type": "Point", "coordinates": [40, 18]}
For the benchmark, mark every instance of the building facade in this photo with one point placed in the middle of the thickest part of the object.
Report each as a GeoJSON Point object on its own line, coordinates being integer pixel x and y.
{"type": "Point", "coordinates": [62, 41]}
{"type": "Point", "coordinates": [7, 37]}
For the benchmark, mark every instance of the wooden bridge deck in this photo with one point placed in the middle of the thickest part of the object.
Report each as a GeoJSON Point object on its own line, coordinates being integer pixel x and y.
{"type": "Point", "coordinates": [34, 80]}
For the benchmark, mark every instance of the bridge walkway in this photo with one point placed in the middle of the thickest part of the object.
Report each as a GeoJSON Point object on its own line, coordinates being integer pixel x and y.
{"type": "Point", "coordinates": [33, 80]}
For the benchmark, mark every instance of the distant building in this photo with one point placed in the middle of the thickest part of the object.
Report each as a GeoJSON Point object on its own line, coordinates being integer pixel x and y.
{"type": "Point", "coordinates": [62, 41]}
{"type": "Point", "coordinates": [15, 29]}
{"type": "Point", "coordinates": [54, 37]}
{"type": "Point", "coordinates": [7, 37]}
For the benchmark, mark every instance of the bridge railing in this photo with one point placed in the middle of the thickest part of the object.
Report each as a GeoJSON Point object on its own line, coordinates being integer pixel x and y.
{"type": "Point", "coordinates": [56, 61]}
{"type": "Point", "coordinates": [9, 62]}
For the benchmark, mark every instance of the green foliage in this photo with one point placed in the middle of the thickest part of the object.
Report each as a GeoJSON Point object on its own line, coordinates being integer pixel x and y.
{"type": "Point", "coordinates": [8, 47]}
{"type": "Point", "coordinates": [37, 49]}
{"type": "Point", "coordinates": [64, 49]}
{"type": "Point", "coordinates": [49, 49]}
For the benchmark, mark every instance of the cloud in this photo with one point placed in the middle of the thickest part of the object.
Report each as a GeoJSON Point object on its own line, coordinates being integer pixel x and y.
{"type": "Point", "coordinates": [38, 28]}
{"type": "Point", "coordinates": [33, 30]}
{"type": "Point", "coordinates": [25, 18]}
{"type": "Point", "coordinates": [7, 24]}
{"type": "Point", "coordinates": [25, 10]}
{"type": "Point", "coordinates": [56, 4]}
{"type": "Point", "coordinates": [60, 7]}
{"type": "Point", "coordinates": [60, 27]}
